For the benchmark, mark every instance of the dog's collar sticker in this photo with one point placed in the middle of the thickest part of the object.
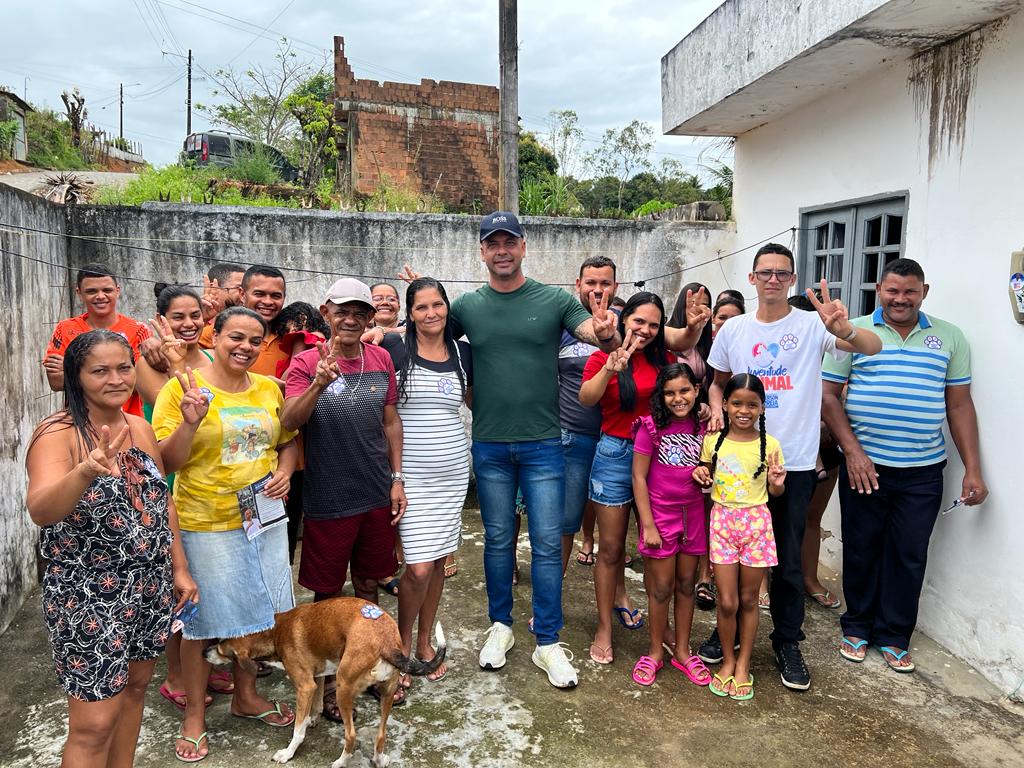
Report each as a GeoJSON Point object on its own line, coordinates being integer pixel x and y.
{"type": "Point", "coordinates": [371, 611]}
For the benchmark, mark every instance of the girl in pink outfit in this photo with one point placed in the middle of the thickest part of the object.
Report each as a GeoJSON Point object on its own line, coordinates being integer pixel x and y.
{"type": "Point", "coordinates": [673, 528]}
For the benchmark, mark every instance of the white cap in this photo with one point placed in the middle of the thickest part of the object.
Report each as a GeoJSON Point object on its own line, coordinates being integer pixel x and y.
{"type": "Point", "coordinates": [349, 289]}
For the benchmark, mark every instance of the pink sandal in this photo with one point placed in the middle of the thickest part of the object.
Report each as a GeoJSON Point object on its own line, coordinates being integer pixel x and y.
{"type": "Point", "coordinates": [646, 670]}
{"type": "Point", "coordinates": [692, 668]}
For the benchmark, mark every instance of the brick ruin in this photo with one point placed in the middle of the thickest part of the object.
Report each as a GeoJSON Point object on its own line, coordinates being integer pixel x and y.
{"type": "Point", "coordinates": [440, 138]}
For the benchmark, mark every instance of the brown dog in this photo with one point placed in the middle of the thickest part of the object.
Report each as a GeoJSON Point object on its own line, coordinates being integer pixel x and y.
{"type": "Point", "coordinates": [346, 636]}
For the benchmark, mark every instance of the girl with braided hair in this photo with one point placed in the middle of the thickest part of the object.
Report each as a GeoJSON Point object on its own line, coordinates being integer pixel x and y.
{"type": "Point", "coordinates": [743, 464]}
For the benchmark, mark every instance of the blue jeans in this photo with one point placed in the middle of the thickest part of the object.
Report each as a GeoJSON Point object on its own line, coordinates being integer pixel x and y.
{"type": "Point", "coordinates": [537, 467]}
{"type": "Point", "coordinates": [578, 449]}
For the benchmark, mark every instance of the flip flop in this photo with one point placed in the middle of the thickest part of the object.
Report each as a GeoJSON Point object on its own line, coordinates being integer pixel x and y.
{"type": "Point", "coordinates": [749, 685]}
{"type": "Point", "coordinates": [622, 612]}
{"type": "Point", "coordinates": [329, 709]}
{"type": "Point", "coordinates": [897, 655]}
{"type": "Point", "coordinates": [275, 711]}
{"type": "Point", "coordinates": [391, 587]}
{"type": "Point", "coordinates": [585, 558]}
{"type": "Point", "coordinates": [178, 698]}
{"type": "Point", "coordinates": [646, 669]}
{"type": "Point", "coordinates": [195, 743]}
{"type": "Point", "coordinates": [825, 599]}
{"type": "Point", "coordinates": [221, 675]}
{"type": "Point", "coordinates": [692, 668]}
{"type": "Point", "coordinates": [263, 669]}
{"type": "Point", "coordinates": [451, 569]}
{"type": "Point", "coordinates": [723, 685]}
{"type": "Point", "coordinates": [764, 602]}
{"type": "Point", "coordinates": [706, 595]}
{"type": "Point", "coordinates": [850, 655]}
{"type": "Point", "coordinates": [440, 677]}
{"type": "Point", "coordinates": [606, 656]}
{"type": "Point", "coordinates": [400, 692]}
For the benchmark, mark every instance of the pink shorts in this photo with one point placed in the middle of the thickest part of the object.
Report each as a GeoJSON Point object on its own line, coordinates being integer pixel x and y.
{"type": "Point", "coordinates": [683, 531]}
{"type": "Point", "coordinates": [743, 535]}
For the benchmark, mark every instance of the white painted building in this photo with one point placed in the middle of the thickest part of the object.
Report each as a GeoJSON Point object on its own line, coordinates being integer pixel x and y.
{"type": "Point", "coordinates": [883, 128]}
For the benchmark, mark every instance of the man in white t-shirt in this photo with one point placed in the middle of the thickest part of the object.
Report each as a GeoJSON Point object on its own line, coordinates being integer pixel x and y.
{"type": "Point", "coordinates": [784, 348]}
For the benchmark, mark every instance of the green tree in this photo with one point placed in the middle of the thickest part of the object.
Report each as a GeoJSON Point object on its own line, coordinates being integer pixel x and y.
{"type": "Point", "coordinates": [253, 100]}
{"type": "Point", "coordinates": [312, 109]}
{"type": "Point", "coordinates": [536, 162]}
{"type": "Point", "coordinates": [599, 197]}
{"type": "Point", "coordinates": [721, 174]}
{"type": "Point", "coordinates": [622, 153]}
{"type": "Point", "coordinates": [564, 139]}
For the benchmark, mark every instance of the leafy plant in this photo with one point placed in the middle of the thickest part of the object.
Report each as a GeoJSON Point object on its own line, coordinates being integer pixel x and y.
{"type": "Point", "coordinates": [49, 142]}
{"type": "Point", "coordinates": [531, 198]}
{"type": "Point", "coordinates": [651, 206]}
{"type": "Point", "coordinates": [318, 144]}
{"type": "Point", "coordinates": [8, 132]}
{"type": "Point", "coordinates": [255, 166]}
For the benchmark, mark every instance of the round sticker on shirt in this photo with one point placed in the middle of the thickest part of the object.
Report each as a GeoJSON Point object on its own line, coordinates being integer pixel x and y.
{"type": "Point", "coordinates": [337, 386]}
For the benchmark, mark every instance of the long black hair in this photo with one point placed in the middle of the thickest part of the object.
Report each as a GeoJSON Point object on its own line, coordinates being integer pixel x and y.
{"type": "Point", "coordinates": [659, 411]}
{"type": "Point", "coordinates": [75, 413]}
{"type": "Point", "coordinates": [654, 352]}
{"type": "Point", "coordinates": [754, 384]}
{"type": "Point", "coordinates": [301, 316]}
{"type": "Point", "coordinates": [411, 343]}
{"type": "Point", "coordinates": [678, 319]}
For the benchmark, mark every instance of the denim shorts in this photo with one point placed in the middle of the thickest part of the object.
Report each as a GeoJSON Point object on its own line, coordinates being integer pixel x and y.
{"type": "Point", "coordinates": [578, 449]}
{"type": "Point", "coordinates": [611, 476]}
{"type": "Point", "coordinates": [242, 583]}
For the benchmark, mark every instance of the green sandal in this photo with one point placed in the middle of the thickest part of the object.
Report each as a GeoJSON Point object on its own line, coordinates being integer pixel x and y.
{"type": "Point", "coordinates": [275, 711]}
{"type": "Point", "coordinates": [721, 688]}
{"type": "Point", "coordinates": [739, 686]}
{"type": "Point", "coordinates": [194, 742]}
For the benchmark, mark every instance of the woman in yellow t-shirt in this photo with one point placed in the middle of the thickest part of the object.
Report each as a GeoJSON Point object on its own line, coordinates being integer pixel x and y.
{"type": "Point", "coordinates": [220, 430]}
{"type": "Point", "coordinates": [743, 464]}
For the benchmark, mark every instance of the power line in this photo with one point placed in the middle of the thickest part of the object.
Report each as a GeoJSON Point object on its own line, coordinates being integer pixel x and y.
{"type": "Point", "coordinates": [145, 21]}
{"type": "Point", "coordinates": [260, 33]}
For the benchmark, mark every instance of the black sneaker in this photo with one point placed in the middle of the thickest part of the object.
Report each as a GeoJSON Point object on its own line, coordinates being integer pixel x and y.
{"type": "Point", "coordinates": [710, 651]}
{"type": "Point", "coordinates": [790, 662]}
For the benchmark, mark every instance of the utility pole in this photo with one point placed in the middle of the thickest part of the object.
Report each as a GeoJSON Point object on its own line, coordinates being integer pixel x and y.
{"type": "Point", "coordinates": [508, 111]}
{"type": "Point", "coordinates": [120, 115]}
{"type": "Point", "coordinates": [188, 97]}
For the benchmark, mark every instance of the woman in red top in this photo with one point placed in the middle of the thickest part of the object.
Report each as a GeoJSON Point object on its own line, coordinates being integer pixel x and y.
{"type": "Point", "coordinates": [622, 382]}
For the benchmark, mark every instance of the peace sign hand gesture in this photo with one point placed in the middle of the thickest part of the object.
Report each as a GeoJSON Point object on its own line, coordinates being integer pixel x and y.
{"type": "Point", "coordinates": [776, 471]}
{"type": "Point", "coordinates": [833, 312]}
{"type": "Point", "coordinates": [618, 359]}
{"type": "Point", "coordinates": [194, 402]}
{"type": "Point", "coordinates": [211, 301]}
{"type": "Point", "coordinates": [604, 320]}
{"type": "Point", "coordinates": [171, 347]}
{"type": "Point", "coordinates": [697, 311]}
{"type": "Point", "coordinates": [102, 460]}
{"type": "Point", "coordinates": [327, 369]}
{"type": "Point", "coordinates": [407, 275]}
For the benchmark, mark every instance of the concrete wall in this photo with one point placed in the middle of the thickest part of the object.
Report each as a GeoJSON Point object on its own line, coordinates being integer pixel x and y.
{"type": "Point", "coordinates": [36, 298]}
{"type": "Point", "coordinates": [963, 222]}
{"type": "Point", "coordinates": [373, 247]}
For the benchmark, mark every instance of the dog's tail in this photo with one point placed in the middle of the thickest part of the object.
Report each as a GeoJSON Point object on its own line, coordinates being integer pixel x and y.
{"type": "Point", "coordinates": [412, 665]}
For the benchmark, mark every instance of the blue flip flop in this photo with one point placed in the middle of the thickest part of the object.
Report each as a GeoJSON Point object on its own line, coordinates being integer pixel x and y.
{"type": "Point", "coordinates": [622, 612]}
{"type": "Point", "coordinates": [896, 654]}
{"type": "Point", "coordinates": [854, 646]}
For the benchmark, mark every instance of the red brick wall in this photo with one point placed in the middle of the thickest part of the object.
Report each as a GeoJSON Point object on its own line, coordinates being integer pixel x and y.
{"type": "Point", "coordinates": [436, 137]}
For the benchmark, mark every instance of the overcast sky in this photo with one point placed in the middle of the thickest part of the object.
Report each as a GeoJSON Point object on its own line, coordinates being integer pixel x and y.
{"type": "Point", "coordinates": [598, 57]}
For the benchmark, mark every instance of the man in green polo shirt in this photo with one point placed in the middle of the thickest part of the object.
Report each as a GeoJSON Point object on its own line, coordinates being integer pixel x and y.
{"type": "Point", "coordinates": [890, 432]}
{"type": "Point", "coordinates": [515, 325]}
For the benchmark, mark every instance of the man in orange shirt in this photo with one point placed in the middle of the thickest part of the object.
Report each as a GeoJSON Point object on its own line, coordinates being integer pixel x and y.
{"type": "Point", "coordinates": [97, 287]}
{"type": "Point", "coordinates": [263, 291]}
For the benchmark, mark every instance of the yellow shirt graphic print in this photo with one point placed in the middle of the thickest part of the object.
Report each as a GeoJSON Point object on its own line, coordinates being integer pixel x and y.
{"type": "Point", "coordinates": [737, 462]}
{"type": "Point", "coordinates": [246, 434]}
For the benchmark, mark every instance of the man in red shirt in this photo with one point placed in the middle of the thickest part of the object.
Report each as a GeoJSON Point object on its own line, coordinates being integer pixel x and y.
{"type": "Point", "coordinates": [99, 291]}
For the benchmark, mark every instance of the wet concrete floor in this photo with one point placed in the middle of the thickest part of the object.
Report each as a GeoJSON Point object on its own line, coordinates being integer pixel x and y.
{"type": "Point", "coordinates": [854, 715]}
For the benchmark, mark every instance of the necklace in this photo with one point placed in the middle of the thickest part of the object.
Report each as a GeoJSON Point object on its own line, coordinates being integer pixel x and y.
{"type": "Point", "coordinates": [359, 379]}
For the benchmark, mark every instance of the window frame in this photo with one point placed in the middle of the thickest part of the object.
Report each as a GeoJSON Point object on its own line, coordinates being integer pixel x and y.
{"type": "Point", "coordinates": [854, 214]}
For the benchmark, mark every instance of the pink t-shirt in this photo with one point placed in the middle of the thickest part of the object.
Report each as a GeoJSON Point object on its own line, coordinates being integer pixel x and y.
{"type": "Point", "coordinates": [675, 453]}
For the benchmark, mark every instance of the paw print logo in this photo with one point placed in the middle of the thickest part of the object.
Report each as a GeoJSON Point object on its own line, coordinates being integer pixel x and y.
{"type": "Point", "coordinates": [445, 386]}
{"type": "Point", "coordinates": [579, 349]}
{"type": "Point", "coordinates": [674, 456]}
{"type": "Point", "coordinates": [933, 342]}
{"type": "Point", "coordinates": [336, 387]}
{"type": "Point", "coordinates": [789, 342]}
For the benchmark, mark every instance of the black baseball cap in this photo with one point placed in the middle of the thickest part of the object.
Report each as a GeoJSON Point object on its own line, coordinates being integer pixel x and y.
{"type": "Point", "coordinates": [500, 221]}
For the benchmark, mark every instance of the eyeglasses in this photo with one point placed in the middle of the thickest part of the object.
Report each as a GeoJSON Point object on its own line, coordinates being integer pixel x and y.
{"type": "Point", "coordinates": [383, 299]}
{"type": "Point", "coordinates": [782, 275]}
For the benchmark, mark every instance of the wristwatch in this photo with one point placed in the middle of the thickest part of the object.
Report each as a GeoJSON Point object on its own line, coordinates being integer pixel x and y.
{"type": "Point", "coordinates": [398, 477]}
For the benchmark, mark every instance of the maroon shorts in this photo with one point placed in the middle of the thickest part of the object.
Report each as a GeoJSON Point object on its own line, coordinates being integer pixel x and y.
{"type": "Point", "coordinates": [367, 541]}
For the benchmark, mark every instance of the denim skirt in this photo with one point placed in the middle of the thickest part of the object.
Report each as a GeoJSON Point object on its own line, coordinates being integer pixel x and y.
{"type": "Point", "coordinates": [611, 475]}
{"type": "Point", "coordinates": [242, 583]}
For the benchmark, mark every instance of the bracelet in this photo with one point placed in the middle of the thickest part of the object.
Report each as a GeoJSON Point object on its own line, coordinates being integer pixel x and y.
{"type": "Point", "coordinates": [852, 336]}
{"type": "Point", "coordinates": [605, 341]}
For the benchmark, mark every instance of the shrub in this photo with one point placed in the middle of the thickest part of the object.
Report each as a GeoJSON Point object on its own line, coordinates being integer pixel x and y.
{"type": "Point", "coordinates": [49, 142]}
{"type": "Point", "coordinates": [255, 166]}
{"type": "Point", "coordinates": [652, 206]}
{"type": "Point", "coordinates": [8, 131]}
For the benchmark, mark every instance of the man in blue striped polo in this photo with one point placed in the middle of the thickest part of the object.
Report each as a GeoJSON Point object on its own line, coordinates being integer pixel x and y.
{"type": "Point", "coordinates": [890, 432]}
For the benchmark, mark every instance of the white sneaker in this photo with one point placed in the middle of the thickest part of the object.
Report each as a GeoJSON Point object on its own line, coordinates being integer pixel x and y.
{"type": "Point", "coordinates": [500, 639]}
{"type": "Point", "coordinates": [551, 658]}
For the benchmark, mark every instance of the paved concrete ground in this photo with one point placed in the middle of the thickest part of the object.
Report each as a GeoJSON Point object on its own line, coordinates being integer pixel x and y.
{"type": "Point", "coordinates": [33, 180]}
{"type": "Point", "coordinates": [854, 715]}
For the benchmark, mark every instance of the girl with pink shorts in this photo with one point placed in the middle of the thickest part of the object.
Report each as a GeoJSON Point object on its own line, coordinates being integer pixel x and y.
{"type": "Point", "coordinates": [673, 529]}
{"type": "Point", "coordinates": [743, 464]}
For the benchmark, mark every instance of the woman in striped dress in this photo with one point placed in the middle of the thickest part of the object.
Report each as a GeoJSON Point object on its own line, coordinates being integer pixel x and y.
{"type": "Point", "coordinates": [434, 379]}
